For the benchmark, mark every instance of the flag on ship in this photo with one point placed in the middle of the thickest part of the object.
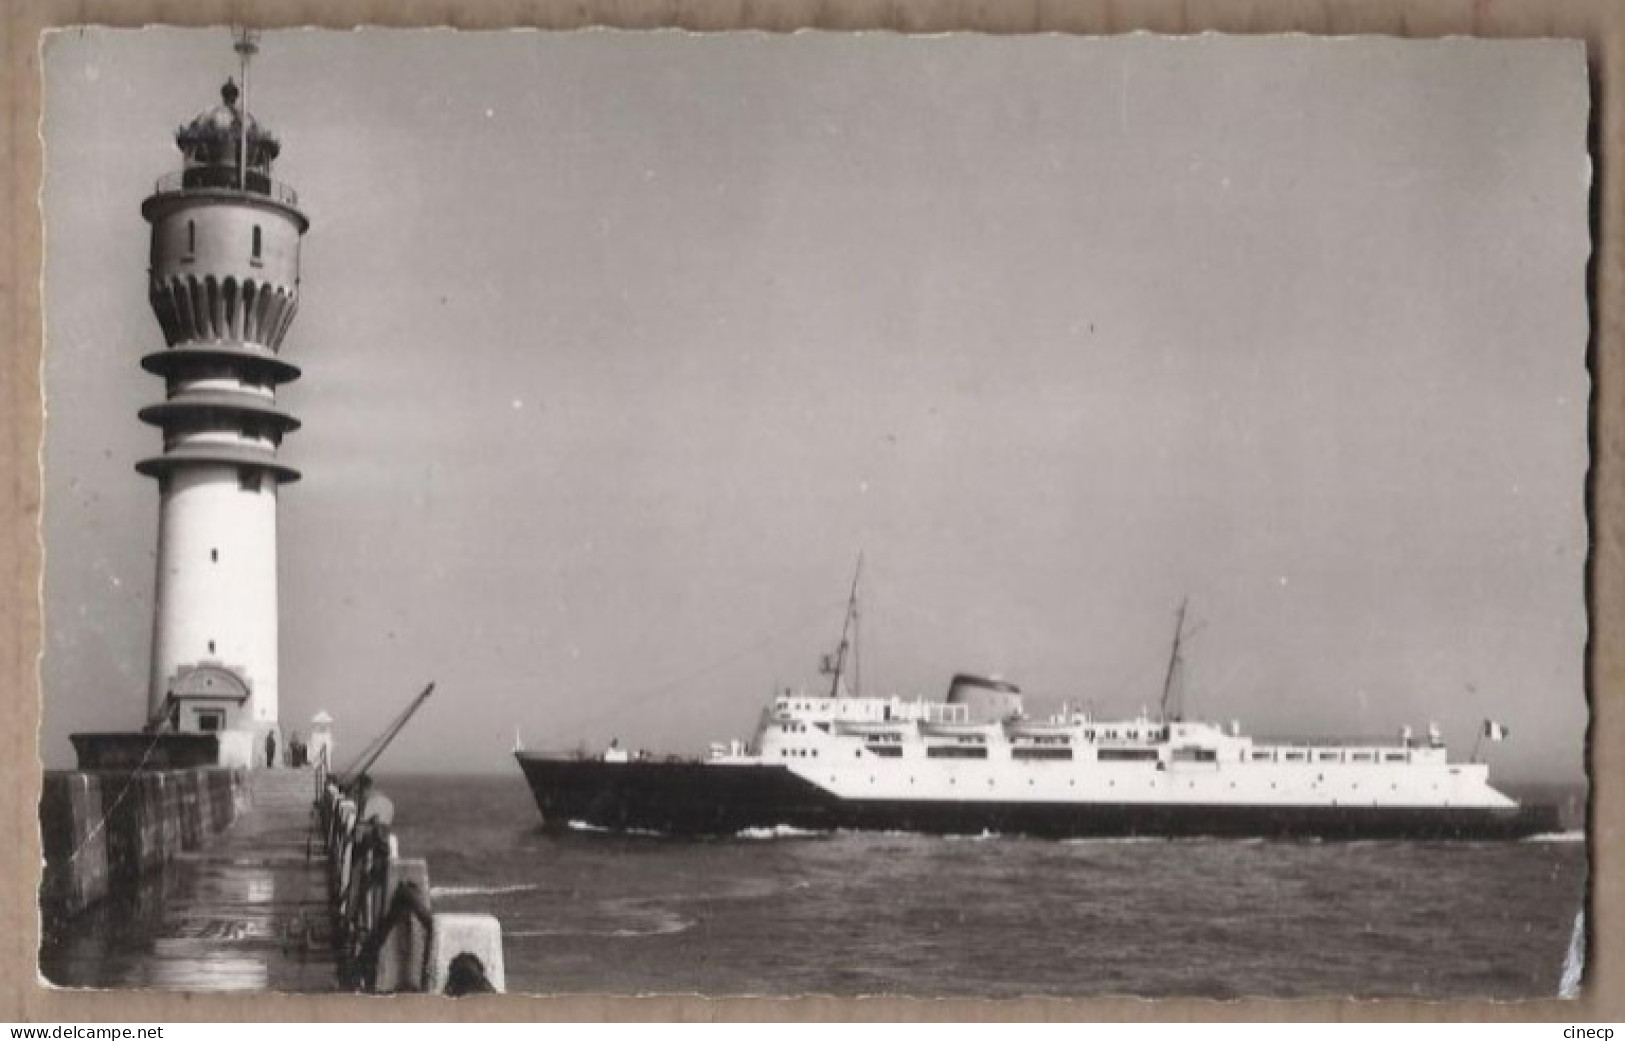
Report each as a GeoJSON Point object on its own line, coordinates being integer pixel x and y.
{"type": "Point", "coordinates": [1495, 731]}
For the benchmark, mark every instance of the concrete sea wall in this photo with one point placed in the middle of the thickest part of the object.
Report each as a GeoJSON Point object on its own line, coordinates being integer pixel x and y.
{"type": "Point", "coordinates": [102, 829]}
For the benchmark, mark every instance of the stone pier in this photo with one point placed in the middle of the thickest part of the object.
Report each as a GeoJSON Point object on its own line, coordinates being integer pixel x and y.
{"type": "Point", "coordinates": [269, 880]}
{"type": "Point", "coordinates": [246, 910]}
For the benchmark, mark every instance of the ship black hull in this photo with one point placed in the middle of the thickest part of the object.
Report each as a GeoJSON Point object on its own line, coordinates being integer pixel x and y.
{"type": "Point", "coordinates": [693, 799]}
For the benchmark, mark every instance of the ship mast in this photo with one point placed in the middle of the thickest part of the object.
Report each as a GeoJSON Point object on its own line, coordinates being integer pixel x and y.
{"type": "Point", "coordinates": [1173, 659]}
{"type": "Point", "coordinates": [849, 638]}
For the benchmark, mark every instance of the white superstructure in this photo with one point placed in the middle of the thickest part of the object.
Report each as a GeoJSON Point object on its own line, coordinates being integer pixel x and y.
{"type": "Point", "coordinates": [919, 749]}
{"type": "Point", "coordinates": [979, 745]}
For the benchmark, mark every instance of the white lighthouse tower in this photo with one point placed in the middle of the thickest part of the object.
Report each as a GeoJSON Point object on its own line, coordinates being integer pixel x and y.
{"type": "Point", "coordinates": [224, 284]}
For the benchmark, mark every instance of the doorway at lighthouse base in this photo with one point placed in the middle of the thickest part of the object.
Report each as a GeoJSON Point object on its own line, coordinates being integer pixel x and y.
{"type": "Point", "coordinates": [214, 699]}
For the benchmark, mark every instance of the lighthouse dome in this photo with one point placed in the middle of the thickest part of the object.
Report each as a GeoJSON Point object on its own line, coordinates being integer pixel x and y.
{"type": "Point", "coordinates": [212, 137]}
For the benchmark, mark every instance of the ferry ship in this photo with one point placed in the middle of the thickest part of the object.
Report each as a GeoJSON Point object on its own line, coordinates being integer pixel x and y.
{"type": "Point", "coordinates": [974, 763]}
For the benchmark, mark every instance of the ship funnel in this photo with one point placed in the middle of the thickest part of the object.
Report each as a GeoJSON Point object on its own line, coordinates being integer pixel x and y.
{"type": "Point", "coordinates": [986, 700]}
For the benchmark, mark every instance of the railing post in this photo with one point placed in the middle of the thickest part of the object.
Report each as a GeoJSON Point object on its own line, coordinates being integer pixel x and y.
{"type": "Point", "coordinates": [389, 940]}
{"type": "Point", "coordinates": [398, 951]}
{"type": "Point", "coordinates": [343, 850]}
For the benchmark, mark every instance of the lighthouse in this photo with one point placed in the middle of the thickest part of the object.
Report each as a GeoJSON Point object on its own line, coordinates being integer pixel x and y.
{"type": "Point", "coordinates": [224, 285]}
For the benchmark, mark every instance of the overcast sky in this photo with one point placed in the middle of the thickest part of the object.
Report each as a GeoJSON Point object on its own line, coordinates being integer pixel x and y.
{"type": "Point", "coordinates": [619, 347]}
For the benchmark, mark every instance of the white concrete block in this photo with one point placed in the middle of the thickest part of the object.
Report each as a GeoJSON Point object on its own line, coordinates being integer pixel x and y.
{"type": "Point", "coordinates": [476, 934]}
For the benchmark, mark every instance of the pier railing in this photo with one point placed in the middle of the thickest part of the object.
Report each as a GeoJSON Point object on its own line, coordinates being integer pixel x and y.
{"type": "Point", "coordinates": [388, 937]}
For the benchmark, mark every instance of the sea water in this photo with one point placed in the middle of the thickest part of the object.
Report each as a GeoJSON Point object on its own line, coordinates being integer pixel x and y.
{"type": "Point", "coordinates": [777, 911]}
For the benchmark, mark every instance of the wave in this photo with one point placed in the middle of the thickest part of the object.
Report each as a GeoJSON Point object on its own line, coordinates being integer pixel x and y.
{"type": "Point", "coordinates": [497, 890]}
{"type": "Point", "coordinates": [1558, 836]}
{"type": "Point", "coordinates": [598, 829]}
{"type": "Point", "coordinates": [665, 928]}
{"type": "Point", "coordinates": [779, 831]}
{"type": "Point", "coordinates": [883, 833]}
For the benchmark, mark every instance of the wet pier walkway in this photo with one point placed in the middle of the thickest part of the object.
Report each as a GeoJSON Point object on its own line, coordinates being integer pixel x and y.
{"type": "Point", "coordinates": [249, 911]}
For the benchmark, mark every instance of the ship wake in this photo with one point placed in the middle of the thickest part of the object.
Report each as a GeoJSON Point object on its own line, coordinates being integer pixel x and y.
{"type": "Point", "coordinates": [492, 890]}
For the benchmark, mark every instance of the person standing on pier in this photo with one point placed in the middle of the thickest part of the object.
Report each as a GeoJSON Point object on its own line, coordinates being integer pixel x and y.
{"type": "Point", "coordinates": [270, 749]}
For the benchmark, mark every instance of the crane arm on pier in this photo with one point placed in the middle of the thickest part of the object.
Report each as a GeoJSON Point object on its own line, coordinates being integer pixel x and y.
{"type": "Point", "coordinates": [370, 754]}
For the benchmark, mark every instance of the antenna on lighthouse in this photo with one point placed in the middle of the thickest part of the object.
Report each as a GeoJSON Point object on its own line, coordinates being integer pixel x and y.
{"type": "Point", "coordinates": [246, 42]}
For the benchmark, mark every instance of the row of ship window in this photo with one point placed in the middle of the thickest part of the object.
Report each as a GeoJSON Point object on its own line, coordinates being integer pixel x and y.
{"type": "Point", "coordinates": [978, 739]}
{"type": "Point", "coordinates": [1104, 755]}
{"type": "Point", "coordinates": [1270, 755]}
{"type": "Point", "coordinates": [1121, 755]}
{"type": "Point", "coordinates": [1113, 784]}
{"type": "Point", "coordinates": [889, 747]}
{"type": "Point", "coordinates": [968, 751]}
{"type": "Point", "coordinates": [974, 747]}
{"type": "Point", "coordinates": [1037, 739]}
